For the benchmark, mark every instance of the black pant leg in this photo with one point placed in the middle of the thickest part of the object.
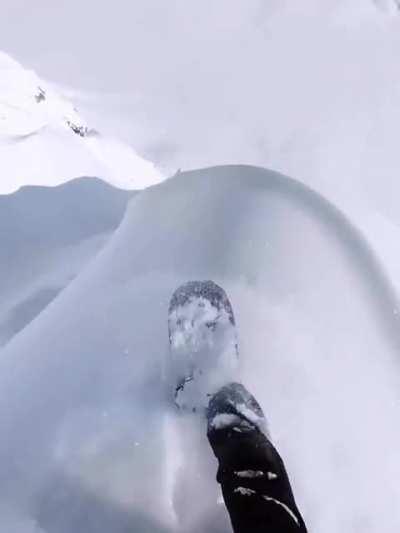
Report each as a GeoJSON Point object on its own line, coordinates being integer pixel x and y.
{"type": "Point", "coordinates": [253, 478]}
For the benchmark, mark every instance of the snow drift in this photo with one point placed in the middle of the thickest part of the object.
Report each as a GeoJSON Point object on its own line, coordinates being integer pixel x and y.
{"type": "Point", "coordinates": [93, 443]}
{"type": "Point", "coordinates": [47, 236]}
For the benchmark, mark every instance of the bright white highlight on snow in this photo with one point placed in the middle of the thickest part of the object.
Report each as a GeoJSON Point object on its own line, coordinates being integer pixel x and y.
{"type": "Point", "coordinates": [243, 491]}
{"type": "Point", "coordinates": [224, 420]}
{"type": "Point", "coordinates": [250, 415]}
{"type": "Point", "coordinates": [251, 473]}
{"type": "Point", "coordinates": [44, 140]}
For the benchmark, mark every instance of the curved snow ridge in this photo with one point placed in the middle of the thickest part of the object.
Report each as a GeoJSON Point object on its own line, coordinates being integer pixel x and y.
{"type": "Point", "coordinates": [251, 474]}
{"type": "Point", "coordinates": [231, 189]}
{"type": "Point", "coordinates": [318, 348]}
{"type": "Point", "coordinates": [48, 235]}
{"type": "Point", "coordinates": [27, 103]}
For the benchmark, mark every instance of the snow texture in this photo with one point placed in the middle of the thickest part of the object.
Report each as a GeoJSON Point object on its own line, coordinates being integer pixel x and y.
{"type": "Point", "coordinates": [93, 443]}
{"type": "Point", "coordinates": [309, 88]}
{"type": "Point", "coordinates": [251, 474]}
{"type": "Point", "coordinates": [224, 420]}
{"type": "Point", "coordinates": [250, 415]}
{"type": "Point", "coordinates": [203, 343]}
{"type": "Point", "coordinates": [48, 235]}
{"type": "Point", "coordinates": [44, 140]}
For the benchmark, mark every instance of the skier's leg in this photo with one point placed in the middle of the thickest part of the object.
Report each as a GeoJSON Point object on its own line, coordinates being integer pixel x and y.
{"type": "Point", "coordinates": [252, 475]}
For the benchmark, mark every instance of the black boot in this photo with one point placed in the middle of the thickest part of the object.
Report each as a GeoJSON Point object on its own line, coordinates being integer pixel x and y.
{"type": "Point", "coordinates": [252, 475]}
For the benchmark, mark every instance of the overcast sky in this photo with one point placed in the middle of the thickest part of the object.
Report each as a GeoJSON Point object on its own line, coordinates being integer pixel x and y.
{"type": "Point", "coordinates": [188, 83]}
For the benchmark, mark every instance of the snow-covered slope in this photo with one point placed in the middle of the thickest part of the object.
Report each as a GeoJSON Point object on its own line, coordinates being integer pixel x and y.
{"type": "Point", "coordinates": [44, 140]}
{"type": "Point", "coordinates": [81, 395]}
{"type": "Point", "coordinates": [310, 88]}
{"type": "Point", "coordinates": [47, 236]}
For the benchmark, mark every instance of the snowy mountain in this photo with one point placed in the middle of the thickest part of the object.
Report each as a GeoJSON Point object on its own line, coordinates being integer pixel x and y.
{"type": "Point", "coordinates": [308, 88]}
{"type": "Point", "coordinates": [44, 140]}
{"type": "Point", "coordinates": [93, 444]}
{"type": "Point", "coordinates": [47, 237]}
{"type": "Point", "coordinates": [91, 441]}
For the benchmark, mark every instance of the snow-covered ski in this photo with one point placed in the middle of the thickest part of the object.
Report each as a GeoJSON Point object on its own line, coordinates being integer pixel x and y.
{"type": "Point", "coordinates": [203, 343]}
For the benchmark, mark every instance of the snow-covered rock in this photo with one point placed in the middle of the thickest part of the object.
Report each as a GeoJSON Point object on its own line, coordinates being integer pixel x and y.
{"type": "Point", "coordinates": [91, 443]}
{"type": "Point", "coordinates": [45, 141]}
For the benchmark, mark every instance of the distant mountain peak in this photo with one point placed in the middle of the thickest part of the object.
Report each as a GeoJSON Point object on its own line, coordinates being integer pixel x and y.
{"type": "Point", "coordinates": [44, 140]}
{"type": "Point", "coordinates": [40, 96]}
{"type": "Point", "coordinates": [21, 91]}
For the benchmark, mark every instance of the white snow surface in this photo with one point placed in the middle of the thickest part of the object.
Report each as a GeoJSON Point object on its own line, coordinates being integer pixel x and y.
{"type": "Point", "coordinates": [249, 414]}
{"type": "Point", "coordinates": [92, 443]}
{"type": "Point", "coordinates": [207, 355]}
{"type": "Point", "coordinates": [244, 491]}
{"type": "Point", "coordinates": [251, 473]}
{"type": "Point", "coordinates": [223, 420]}
{"type": "Point", "coordinates": [48, 235]}
{"type": "Point", "coordinates": [45, 141]}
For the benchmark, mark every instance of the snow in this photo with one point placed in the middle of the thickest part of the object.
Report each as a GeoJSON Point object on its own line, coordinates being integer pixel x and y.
{"type": "Point", "coordinates": [308, 88]}
{"type": "Point", "coordinates": [318, 343]}
{"type": "Point", "coordinates": [45, 141]}
{"type": "Point", "coordinates": [48, 235]}
{"type": "Point", "coordinates": [223, 420]}
{"type": "Point", "coordinates": [317, 313]}
{"type": "Point", "coordinates": [243, 491]}
{"type": "Point", "coordinates": [250, 415]}
{"type": "Point", "coordinates": [251, 473]}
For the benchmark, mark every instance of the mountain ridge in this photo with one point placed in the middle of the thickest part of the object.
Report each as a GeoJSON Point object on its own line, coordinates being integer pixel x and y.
{"type": "Point", "coordinates": [44, 139]}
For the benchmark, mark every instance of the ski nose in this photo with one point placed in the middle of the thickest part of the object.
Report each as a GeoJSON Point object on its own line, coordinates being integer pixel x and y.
{"type": "Point", "coordinates": [208, 290]}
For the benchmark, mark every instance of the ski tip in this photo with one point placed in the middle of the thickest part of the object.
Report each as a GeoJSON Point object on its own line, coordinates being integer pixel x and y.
{"type": "Point", "coordinates": [203, 343]}
{"type": "Point", "coordinates": [206, 289]}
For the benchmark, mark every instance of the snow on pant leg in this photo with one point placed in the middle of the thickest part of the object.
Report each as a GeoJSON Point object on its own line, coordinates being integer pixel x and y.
{"type": "Point", "coordinates": [253, 478]}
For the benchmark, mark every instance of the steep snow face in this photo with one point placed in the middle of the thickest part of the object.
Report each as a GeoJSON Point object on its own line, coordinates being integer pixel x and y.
{"type": "Point", "coordinates": [93, 444]}
{"type": "Point", "coordinates": [47, 236]}
{"type": "Point", "coordinates": [44, 140]}
{"type": "Point", "coordinates": [309, 88]}
{"type": "Point", "coordinates": [26, 107]}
